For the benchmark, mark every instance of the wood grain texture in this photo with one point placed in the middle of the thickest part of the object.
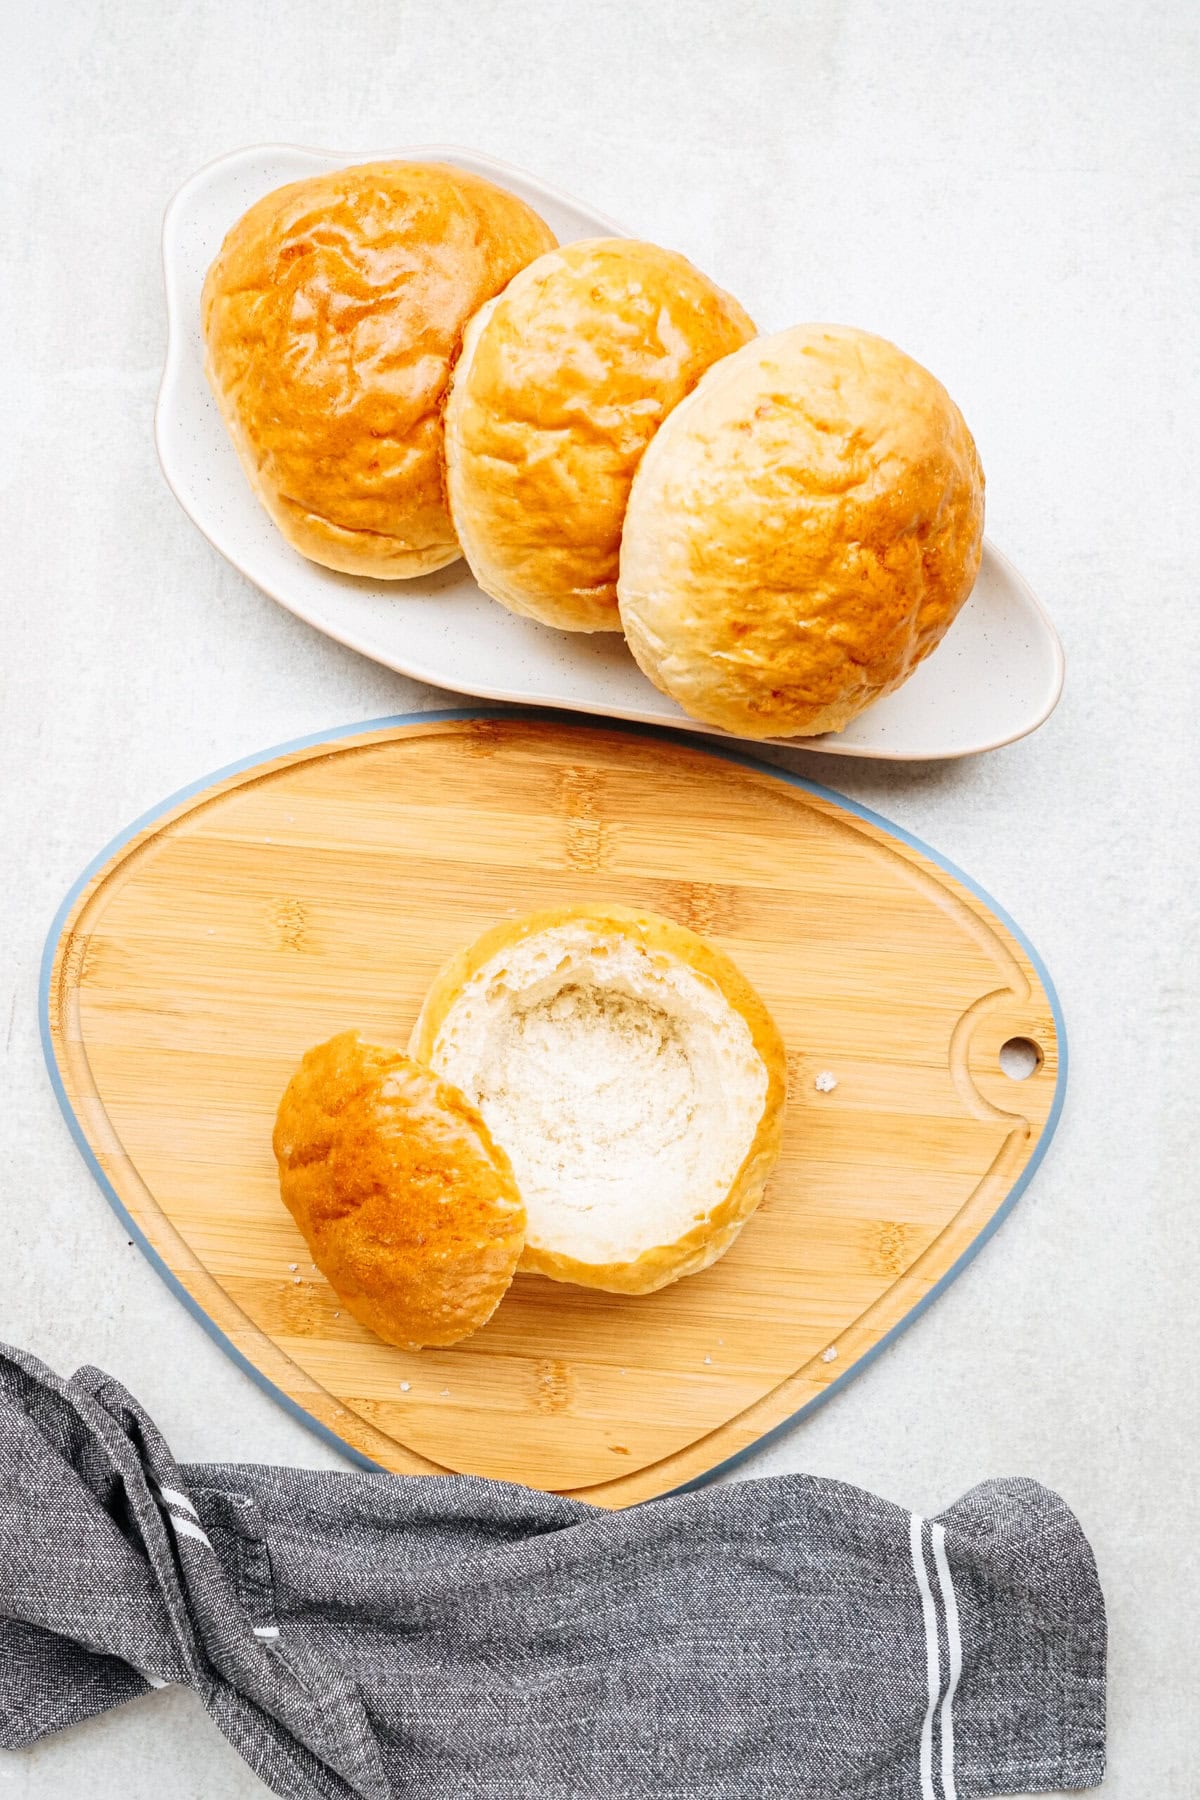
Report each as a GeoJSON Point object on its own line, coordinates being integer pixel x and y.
{"type": "Point", "coordinates": [323, 889]}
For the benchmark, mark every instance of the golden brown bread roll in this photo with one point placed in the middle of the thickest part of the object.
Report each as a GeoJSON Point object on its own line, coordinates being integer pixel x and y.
{"type": "Point", "coordinates": [801, 533]}
{"type": "Point", "coordinates": [331, 317]}
{"type": "Point", "coordinates": [632, 1074]}
{"type": "Point", "coordinates": [562, 382]}
{"type": "Point", "coordinates": [408, 1207]}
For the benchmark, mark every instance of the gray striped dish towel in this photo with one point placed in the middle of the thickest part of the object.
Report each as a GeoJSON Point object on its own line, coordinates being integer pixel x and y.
{"type": "Point", "coordinates": [459, 1639]}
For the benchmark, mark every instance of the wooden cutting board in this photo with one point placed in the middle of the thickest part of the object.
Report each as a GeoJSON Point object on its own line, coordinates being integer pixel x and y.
{"type": "Point", "coordinates": [321, 889]}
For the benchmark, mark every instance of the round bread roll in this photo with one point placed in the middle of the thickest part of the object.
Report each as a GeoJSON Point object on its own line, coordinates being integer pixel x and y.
{"type": "Point", "coordinates": [563, 380]}
{"type": "Point", "coordinates": [408, 1207]}
{"type": "Point", "coordinates": [331, 317]}
{"type": "Point", "coordinates": [801, 533]}
{"type": "Point", "coordinates": [634, 1077]}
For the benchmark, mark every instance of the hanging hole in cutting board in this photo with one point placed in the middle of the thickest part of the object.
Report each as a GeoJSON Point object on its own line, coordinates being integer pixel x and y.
{"type": "Point", "coordinates": [1020, 1058]}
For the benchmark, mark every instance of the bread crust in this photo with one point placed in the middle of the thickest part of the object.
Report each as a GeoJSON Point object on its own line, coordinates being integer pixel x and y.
{"type": "Point", "coordinates": [408, 1206]}
{"type": "Point", "coordinates": [332, 315]}
{"type": "Point", "coordinates": [562, 382]}
{"type": "Point", "coordinates": [800, 534]}
{"type": "Point", "coordinates": [697, 1248]}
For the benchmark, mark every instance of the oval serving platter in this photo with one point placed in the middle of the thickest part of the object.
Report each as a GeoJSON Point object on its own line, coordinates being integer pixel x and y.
{"type": "Point", "coordinates": [997, 676]}
{"type": "Point", "coordinates": [321, 888]}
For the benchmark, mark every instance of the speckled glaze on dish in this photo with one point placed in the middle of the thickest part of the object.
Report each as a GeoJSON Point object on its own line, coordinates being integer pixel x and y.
{"type": "Point", "coordinates": [997, 676]}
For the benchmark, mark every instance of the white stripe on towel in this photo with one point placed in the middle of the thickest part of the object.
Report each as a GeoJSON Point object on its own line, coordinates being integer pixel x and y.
{"type": "Point", "coordinates": [172, 1497]}
{"type": "Point", "coordinates": [185, 1528]}
{"type": "Point", "coordinates": [266, 1631]}
{"type": "Point", "coordinates": [954, 1645]}
{"type": "Point", "coordinates": [933, 1675]}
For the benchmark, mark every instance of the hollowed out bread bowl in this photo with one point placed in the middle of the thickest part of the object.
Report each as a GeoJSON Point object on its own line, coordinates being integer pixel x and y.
{"type": "Point", "coordinates": [633, 1076]}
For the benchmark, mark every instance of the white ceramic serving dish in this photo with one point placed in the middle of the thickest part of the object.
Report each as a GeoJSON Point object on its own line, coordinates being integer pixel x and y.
{"type": "Point", "coordinates": [996, 677]}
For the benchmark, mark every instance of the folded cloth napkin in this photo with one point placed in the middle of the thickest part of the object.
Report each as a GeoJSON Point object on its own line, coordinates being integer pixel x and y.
{"type": "Point", "coordinates": [372, 1635]}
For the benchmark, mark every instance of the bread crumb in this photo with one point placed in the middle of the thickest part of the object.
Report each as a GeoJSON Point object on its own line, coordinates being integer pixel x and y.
{"type": "Point", "coordinates": [405, 1386]}
{"type": "Point", "coordinates": [708, 1359]}
{"type": "Point", "coordinates": [825, 1082]}
{"type": "Point", "coordinates": [293, 1267]}
{"type": "Point", "coordinates": [829, 1355]}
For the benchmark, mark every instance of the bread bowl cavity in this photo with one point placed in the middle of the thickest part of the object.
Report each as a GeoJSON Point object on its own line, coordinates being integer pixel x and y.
{"type": "Point", "coordinates": [631, 1074]}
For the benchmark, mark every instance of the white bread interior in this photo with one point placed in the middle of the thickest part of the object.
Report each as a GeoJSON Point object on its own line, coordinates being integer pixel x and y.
{"type": "Point", "coordinates": [636, 1097]}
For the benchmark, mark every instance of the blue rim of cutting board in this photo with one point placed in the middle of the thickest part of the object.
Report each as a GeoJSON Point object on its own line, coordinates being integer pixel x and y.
{"type": "Point", "coordinates": [568, 721]}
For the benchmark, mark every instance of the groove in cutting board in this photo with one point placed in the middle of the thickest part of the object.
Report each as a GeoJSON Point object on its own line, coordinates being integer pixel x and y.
{"type": "Point", "coordinates": [321, 888]}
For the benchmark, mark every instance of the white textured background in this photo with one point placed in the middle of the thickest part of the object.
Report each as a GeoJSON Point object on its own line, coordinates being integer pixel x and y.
{"type": "Point", "coordinates": [1010, 191]}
